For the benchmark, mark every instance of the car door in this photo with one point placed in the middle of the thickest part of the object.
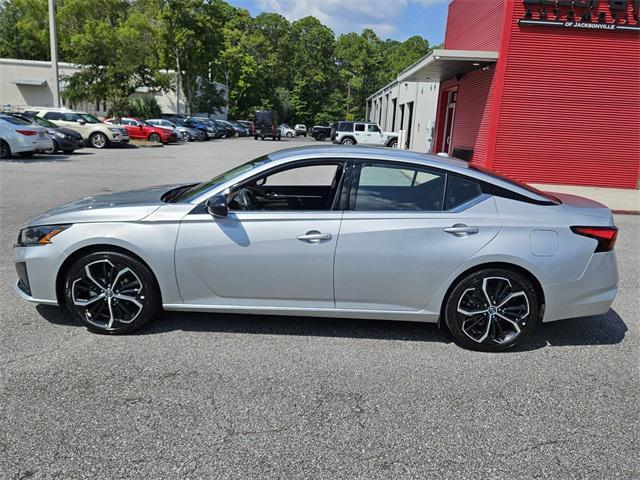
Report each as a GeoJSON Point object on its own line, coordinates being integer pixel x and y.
{"type": "Point", "coordinates": [360, 133]}
{"type": "Point", "coordinates": [402, 235]}
{"type": "Point", "coordinates": [278, 254]}
{"type": "Point", "coordinates": [374, 135]}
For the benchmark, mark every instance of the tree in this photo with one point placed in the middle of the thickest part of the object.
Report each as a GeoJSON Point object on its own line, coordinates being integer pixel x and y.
{"type": "Point", "coordinates": [24, 29]}
{"type": "Point", "coordinates": [189, 35]}
{"type": "Point", "coordinates": [114, 44]}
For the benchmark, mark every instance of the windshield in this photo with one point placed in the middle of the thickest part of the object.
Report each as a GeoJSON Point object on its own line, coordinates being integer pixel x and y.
{"type": "Point", "coordinates": [193, 192]}
{"type": "Point", "coordinates": [44, 123]}
{"type": "Point", "coordinates": [88, 118]}
{"type": "Point", "coordinates": [517, 183]}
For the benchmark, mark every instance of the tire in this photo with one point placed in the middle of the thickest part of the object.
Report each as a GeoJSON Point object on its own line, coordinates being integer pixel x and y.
{"type": "Point", "coordinates": [321, 137]}
{"type": "Point", "coordinates": [5, 150]}
{"type": "Point", "coordinates": [155, 138]}
{"type": "Point", "coordinates": [98, 140]}
{"type": "Point", "coordinates": [108, 277]}
{"type": "Point", "coordinates": [468, 310]}
{"type": "Point", "coordinates": [27, 154]}
{"type": "Point", "coordinates": [255, 137]}
{"type": "Point", "coordinates": [289, 135]}
{"type": "Point", "coordinates": [348, 141]}
{"type": "Point", "coordinates": [393, 144]}
{"type": "Point", "coordinates": [54, 148]}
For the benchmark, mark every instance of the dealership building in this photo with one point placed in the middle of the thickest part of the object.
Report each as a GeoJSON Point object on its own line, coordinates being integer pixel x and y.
{"type": "Point", "coordinates": [30, 83]}
{"type": "Point", "coordinates": [546, 91]}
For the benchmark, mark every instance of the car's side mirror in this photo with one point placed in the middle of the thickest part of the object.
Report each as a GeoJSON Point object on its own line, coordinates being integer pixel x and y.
{"type": "Point", "coordinates": [81, 122]}
{"type": "Point", "coordinates": [217, 206]}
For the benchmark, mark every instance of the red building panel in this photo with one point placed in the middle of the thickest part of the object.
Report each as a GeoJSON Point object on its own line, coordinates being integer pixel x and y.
{"type": "Point", "coordinates": [569, 110]}
{"type": "Point", "coordinates": [474, 25]}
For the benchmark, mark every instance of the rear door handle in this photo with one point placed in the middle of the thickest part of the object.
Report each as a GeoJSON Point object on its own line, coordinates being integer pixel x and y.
{"type": "Point", "coordinates": [314, 236]}
{"type": "Point", "coordinates": [460, 230]}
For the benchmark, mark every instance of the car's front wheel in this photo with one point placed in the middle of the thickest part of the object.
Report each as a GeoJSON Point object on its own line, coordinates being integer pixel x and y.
{"type": "Point", "coordinates": [289, 135]}
{"type": "Point", "coordinates": [98, 140]}
{"type": "Point", "coordinates": [321, 137]}
{"type": "Point", "coordinates": [348, 141]}
{"type": "Point", "coordinates": [492, 309]}
{"type": "Point", "coordinates": [155, 138]}
{"type": "Point", "coordinates": [111, 292]}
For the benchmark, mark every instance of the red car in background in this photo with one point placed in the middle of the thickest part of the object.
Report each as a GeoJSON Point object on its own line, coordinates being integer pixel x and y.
{"type": "Point", "coordinates": [141, 130]}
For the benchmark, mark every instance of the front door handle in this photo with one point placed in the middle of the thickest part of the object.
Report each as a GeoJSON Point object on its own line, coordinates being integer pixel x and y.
{"type": "Point", "coordinates": [314, 236]}
{"type": "Point", "coordinates": [461, 230]}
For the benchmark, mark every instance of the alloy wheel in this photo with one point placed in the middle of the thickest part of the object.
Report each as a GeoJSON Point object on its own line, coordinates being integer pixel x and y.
{"type": "Point", "coordinates": [107, 295]}
{"type": "Point", "coordinates": [493, 310]}
{"type": "Point", "coordinates": [5, 151]}
{"type": "Point", "coordinates": [98, 140]}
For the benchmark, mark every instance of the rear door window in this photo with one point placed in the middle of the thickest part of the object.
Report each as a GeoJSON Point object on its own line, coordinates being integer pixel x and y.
{"type": "Point", "coordinates": [53, 116]}
{"type": "Point", "coordinates": [394, 187]}
{"type": "Point", "coordinates": [460, 190]}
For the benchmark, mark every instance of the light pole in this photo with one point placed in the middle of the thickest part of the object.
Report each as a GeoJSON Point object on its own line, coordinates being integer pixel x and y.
{"type": "Point", "coordinates": [53, 43]}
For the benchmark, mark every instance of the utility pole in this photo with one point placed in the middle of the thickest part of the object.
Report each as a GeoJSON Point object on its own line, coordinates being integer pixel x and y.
{"type": "Point", "coordinates": [53, 43]}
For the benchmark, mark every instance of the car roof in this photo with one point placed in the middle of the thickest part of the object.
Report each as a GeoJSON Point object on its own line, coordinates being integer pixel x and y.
{"type": "Point", "coordinates": [450, 164]}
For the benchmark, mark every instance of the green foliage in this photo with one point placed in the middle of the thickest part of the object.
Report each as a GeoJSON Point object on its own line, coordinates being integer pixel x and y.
{"type": "Point", "coordinates": [298, 68]}
{"type": "Point", "coordinates": [144, 107]}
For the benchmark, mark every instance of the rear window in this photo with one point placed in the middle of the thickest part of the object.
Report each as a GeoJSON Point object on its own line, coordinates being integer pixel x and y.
{"type": "Point", "coordinates": [345, 127]}
{"type": "Point", "coordinates": [14, 120]}
{"type": "Point", "coordinates": [460, 190]}
{"type": "Point", "coordinates": [516, 183]}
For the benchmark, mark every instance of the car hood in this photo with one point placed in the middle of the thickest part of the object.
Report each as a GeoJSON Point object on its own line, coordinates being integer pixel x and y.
{"type": "Point", "coordinates": [113, 207]}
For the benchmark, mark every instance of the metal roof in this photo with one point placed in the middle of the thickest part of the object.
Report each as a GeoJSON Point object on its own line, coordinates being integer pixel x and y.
{"type": "Point", "coordinates": [442, 65]}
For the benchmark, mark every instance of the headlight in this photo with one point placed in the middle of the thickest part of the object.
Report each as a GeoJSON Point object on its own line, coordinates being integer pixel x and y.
{"type": "Point", "coordinates": [40, 235]}
{"type": "Point", "coordinates": [60, 134]}
{"type": "Point", "coordinates": [115, 130]}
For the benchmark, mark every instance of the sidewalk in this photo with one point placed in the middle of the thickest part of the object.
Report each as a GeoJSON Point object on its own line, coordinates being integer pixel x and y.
{"type": "Point", "coordinates": [617, 199]}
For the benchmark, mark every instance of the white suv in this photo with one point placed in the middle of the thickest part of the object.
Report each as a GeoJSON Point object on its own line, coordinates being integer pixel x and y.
{"type": "Point", "coordinates": [361, 133]}
{"type": "Point", "coordinates": [99, 134]}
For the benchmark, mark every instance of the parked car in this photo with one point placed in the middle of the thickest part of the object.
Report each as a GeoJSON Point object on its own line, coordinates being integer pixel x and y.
{"type": "Point", "coordinates": [241, 130]}
{"type": "Point", "coordinates": [248, 125]}
{"type": "Point", "coordinates": [187, 134]}
{"type": "Point", "coordinates": [62, 138]}
{"type": "Point", "coordinates": [266, 125]}
{"type": "Point", "coordinates": [21, 137]}
{"type": "Point", "coordinates": [301, 129]}
{"type": "Point", "coordinates": [173, 116]}
{"type": "Point", "coordinates": [287, 131]}
{"type": "Point", "coordinates": [363, 133]}
{"type": "Point", "coordinates": [203, 128]}
{"type": "Point", "coordinates": [230, 130]}
{"type": "Point", "coordinates": [141, 130]}
{"type": "Point", "coordinates": [321, 133]}
{"type": "Point", "coordinates": [486, 257]}
{"type": "Point", "coordinates": [98, 133]}
{"type": "Point", "coordinates": [214, 130]}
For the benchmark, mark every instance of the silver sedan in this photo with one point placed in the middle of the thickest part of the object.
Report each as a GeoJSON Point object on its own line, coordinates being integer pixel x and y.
{"type": "Point", "coordinates": [331, 232]}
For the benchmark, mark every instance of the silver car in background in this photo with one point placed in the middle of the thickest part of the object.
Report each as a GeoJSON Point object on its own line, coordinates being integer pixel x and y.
{"type": "Point", "coordinates": [186, 134]}
{"type": "Point", "coordinates": [331, 231]}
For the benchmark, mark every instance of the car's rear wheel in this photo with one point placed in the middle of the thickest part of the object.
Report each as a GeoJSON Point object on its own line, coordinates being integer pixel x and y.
{"type": "Point", "coordinates": [98, 140]}
{"type": "Point", "coordinates": [5, 150]}
{"type": "Point", "coordinates": [393, 144]}
{"type": "Point", "coordinates": [321, 137]}
{"type": "Point", "coordinates": [111, 292]}
{"type": "Point", "coordinates": [54, 147]}
{"type": "Point", "coordinates": [154, 137]}
{"type": "Point", "coordinates": [492, 309]}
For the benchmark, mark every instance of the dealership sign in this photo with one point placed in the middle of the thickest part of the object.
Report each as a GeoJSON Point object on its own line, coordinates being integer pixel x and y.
{"type": "Point", "coordinates": [583, 14]}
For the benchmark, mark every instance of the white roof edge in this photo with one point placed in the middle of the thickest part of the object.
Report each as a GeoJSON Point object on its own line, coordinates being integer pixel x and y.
{"type": "Point", "coordinates": [43, 63]}
{"type": "Point", "coordinates": [442, 54]}
{"type": "Point", "coordinates": [389, 85]}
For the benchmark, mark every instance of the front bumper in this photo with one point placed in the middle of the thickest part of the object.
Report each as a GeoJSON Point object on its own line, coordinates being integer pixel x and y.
{"type": "Point", "coordinates": [37, 268]}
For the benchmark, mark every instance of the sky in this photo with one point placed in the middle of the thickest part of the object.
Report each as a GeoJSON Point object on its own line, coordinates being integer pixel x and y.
{"type": "Point", "coordinates": [397, 19]}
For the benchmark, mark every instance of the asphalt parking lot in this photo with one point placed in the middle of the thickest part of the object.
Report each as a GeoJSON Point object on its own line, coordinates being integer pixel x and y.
{"type": "Point", "coordinates": [230, 396]}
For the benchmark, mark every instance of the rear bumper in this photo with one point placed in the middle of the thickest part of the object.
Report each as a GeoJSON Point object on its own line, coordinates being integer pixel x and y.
{"type": "Point", "coordinates": [592, 294]}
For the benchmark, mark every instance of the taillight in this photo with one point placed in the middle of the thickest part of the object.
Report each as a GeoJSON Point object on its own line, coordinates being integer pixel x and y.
{"type": "Point", "coordinates": [28, 133]}
{"type": "Point", "coordinates": [606, 236]}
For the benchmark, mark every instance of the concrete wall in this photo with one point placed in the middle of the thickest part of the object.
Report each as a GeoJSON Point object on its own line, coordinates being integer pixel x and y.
{"type": "Point", "coordinates": [423, 96]}
{"type": "Point", "coordinates": [16, 96]}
